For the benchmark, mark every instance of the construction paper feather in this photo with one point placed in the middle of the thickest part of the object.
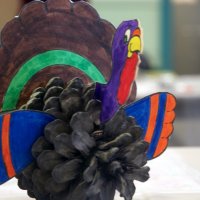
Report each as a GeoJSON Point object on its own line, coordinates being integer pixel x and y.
{"type": "Point", "coordinates": [155, 114]}
{"type": "Point", "coordinates": [19, 131]}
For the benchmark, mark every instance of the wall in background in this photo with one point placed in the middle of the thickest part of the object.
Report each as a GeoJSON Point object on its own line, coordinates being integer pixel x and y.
{"type": "Point", "coordinates": [8, 9]}
{"type": "Point", "coordinates": [186, 36]}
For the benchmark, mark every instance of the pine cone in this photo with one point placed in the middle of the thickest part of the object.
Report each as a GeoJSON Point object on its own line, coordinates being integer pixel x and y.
{"type": "Point", "coordinates": [78, 158]}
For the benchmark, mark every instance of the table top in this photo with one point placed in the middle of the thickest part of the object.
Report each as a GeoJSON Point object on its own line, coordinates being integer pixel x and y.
{"type": "Point", "coordinates": [174, 176]}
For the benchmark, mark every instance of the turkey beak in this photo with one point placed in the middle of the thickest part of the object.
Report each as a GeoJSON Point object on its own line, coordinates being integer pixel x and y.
{"type": "Point", "coordinates": [135, 43]}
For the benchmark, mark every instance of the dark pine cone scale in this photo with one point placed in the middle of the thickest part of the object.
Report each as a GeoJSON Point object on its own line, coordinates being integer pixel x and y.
{"type": "Point", "coordinates": [78, 158]}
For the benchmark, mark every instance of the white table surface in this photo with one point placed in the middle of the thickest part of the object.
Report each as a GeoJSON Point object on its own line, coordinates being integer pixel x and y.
{"type": "Point", "coordinates": [174, 176]}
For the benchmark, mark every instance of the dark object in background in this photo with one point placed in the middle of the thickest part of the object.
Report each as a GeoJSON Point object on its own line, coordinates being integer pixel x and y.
{"type": "Point", "coordinates": [144, 65]}
{"type": "Point", "coordinates": [186, 40]}
{"type": "Point", "coordinates": [78, 157]}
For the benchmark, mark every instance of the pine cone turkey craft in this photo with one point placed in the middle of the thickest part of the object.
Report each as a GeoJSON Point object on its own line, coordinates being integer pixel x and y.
{"type": "Point", "coordinates": [79, 136]}
{"type": "Point", "coordinates": [77, 156]}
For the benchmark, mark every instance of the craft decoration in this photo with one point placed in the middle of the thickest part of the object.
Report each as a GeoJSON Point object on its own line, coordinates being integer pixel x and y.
{"type": "Point", "coordinates": [155, 114]}
{"type": "Point", "coordinates": [76, 127]}
{"type": "Point", "coordinates": [15, 148]}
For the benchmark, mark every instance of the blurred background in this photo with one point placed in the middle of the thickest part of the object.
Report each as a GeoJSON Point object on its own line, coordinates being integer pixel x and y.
{"type": "Point", "coordinates": [171, 56]}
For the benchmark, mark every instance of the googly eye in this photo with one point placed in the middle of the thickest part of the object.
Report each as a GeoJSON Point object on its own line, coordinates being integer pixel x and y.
{"type": "Point", "coordinates": [127, 36]}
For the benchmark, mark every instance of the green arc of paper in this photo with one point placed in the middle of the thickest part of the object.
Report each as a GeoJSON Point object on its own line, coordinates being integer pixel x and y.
{"type": "Point", "coordinates": [41, 61]}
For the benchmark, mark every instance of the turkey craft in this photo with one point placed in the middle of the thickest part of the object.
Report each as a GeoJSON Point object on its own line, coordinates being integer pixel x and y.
{"type": "Point", "coordinates": [70, 129]}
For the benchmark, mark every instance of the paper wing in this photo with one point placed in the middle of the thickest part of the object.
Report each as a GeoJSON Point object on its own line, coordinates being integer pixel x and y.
{"type": "Point", "coordinates": [19, 130]}
{"type": "Point", "coordinates": [155, 114]}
